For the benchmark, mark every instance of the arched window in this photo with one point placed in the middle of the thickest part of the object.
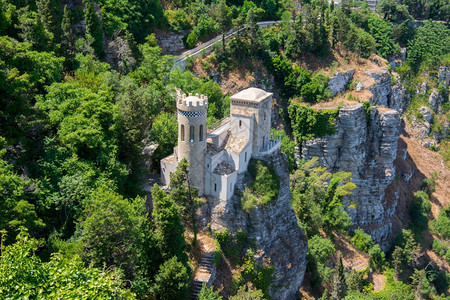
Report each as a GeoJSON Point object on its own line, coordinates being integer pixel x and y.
{"type": "Point", "coordinates": [191, 134]}
{"type": "Point", "coordinates": [182, 132]}
{"type": "Point", "coordinates": [200, 133]}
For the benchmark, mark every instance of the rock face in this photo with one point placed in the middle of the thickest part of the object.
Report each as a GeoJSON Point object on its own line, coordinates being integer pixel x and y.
{"type": "Point", "coordinates": [338, 83]}
{"type": "Point", "coordinates": [435, 100]}
{"type": "Point", "coordinates": [274, 230]}
{"type": "Point", "coordinates": [387, 95]}
{"type": "Point", "coordinates": [368, 150]}
{"type": "Point", "coordinates": [444, 75]}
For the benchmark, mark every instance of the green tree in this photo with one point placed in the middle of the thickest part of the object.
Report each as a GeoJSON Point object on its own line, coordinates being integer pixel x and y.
{"type": "Point", "coordinates": [16, 212]}
{"type": "Point", "coordinates": [165, 133]}
{"type": "Point", "coordinates": [172, 281]}
{"type": "Point", "coordinates": [112, 229]}
{"type": "Point", "coordinates": [183, 195]}
{"type": "Point", "coordinates": [248, 294]}
{"type": "Point", "coordinates": [223, 19]}
{"type": "Point", "coordinates": [208, 293]}
{"type": "Point", "coordinates": [168, 229]}
{"type": "Point", "coordinates": [362, 240]}
{"type": "Point", "coordinates": [191, 40]}
{"type": "Point", "coordinates": [316, 206]}
{"type": "Point", "coordinates": [93, 27]}
{"type": "Point", "coordinates": [24, 276]}
{"type": "Point", "coordinates": [376, 256]}
{"type": "Point", "coordinates": [50, 14]}
{"type": "Point", "coordinates": [67, 38]}
{"type": "Point", "coordinates": [421, 284]}
{"type": "Point", "coordinates": [381, 30]}
{"type": "Point", "coordinates": [31, 30]}
{"type": "Point", "coordinates": [392, 10]}
{"type": "Point", "coordinates": [430, 43]}
{"type": "Point", "coordinates": [441, 225]}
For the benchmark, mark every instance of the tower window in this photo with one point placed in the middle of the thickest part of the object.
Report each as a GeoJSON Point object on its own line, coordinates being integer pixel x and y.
{"type": "Point", "coordinates": [231, 187]}
{"type": "Point", "coordinates": [245, 156]}
{"type": "Point", "coordinates": [240, 123]}
{"type": "Point", "coordinates": [200, 133]}
{"type": "Point", "coordinates": [191, 134]}
{"type": "Point", "coordinates": [215, 187]}
{"type": "Point", "coordinates": [182, 132]}
{"type": "Point", "coordinates": [264, 116]}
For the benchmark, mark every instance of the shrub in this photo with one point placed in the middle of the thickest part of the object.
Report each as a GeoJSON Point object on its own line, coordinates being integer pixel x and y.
{"type": "Point", "coordinates": [362, 240]}
{"type": "Point", "coordinates": [441, 225]}
{"type": "Point", "coordinates": [264, 187]}
{"type": "Point", "coordinates": [316, 89]}
{"type": "Point", "coordinates": [308, 123]}
{"type": "Point", "coordinates": [422, 199]}
{"type": "Point", "coordinates": [377, 258]}
{"type": "Point", "coordinates": [320, 249]}
{"type": "Point", "coordinates": [419, 210]}
{"type": "Point", "coordinates": [191, 40]}
{"type": "Point", "coordinates": [429, 184]}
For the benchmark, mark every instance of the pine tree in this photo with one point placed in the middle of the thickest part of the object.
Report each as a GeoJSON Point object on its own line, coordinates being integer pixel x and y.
{"type": "Point", "coordinates": [67, 39]}
{"type": "Point", "coordinates": [50, 15]}
{"type": "Point", "coordinates": [93, 27]}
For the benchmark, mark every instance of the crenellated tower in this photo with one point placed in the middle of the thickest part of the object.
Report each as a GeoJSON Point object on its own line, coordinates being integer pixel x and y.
{"type": "Point", "coordinates": [191, 111]}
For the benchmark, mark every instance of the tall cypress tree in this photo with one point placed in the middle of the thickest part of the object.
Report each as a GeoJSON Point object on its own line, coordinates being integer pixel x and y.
{"type": "Point", "coordinates": [67, 38]}
{"type": "Point", "coordinates": [50, 15]}
{"type": "Point", "coordinates": [93, 27]}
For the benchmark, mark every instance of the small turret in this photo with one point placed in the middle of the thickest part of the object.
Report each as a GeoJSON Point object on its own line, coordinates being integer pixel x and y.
{"type": "Point", "coordinates": [192, 103]}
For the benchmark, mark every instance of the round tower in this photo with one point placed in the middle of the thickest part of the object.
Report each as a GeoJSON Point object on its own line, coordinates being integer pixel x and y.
{"type": "Point", "coordinates": [191, 111]}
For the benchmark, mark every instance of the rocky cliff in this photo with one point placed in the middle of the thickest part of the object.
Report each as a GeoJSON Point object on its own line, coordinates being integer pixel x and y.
{"type": "Point", "coordinates": [274, 230]}
{"type": "Point", "coordinates": [365, 145]}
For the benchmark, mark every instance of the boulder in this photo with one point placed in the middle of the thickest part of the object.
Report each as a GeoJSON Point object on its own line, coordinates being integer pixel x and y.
{"type": "Point", "coordinates": [338, 83]}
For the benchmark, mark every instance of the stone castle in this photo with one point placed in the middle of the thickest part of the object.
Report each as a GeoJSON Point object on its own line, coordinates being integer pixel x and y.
{"type": "Point", "coordinates": [217, 156]}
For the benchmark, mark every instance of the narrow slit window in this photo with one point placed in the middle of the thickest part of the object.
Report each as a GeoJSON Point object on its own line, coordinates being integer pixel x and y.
{"type": "Point", "coordinates": [191, 134]}
{"type": "Point", "coordinates": [240, 123]}
{"type": "Point", "coordinates": [215, 187]}
{"type": "Point", "coordinates": [200, 133]}
{"type": "Point", "coordinates": [182, 132]}
{"type": "Point", "coordinates": [231, 187]}
{"type": "Point", "coordinates": [245, 156]}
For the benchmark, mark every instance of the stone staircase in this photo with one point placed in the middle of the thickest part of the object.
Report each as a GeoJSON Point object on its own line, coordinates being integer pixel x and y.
{"type": "Point", "coordinates": [205, 273]}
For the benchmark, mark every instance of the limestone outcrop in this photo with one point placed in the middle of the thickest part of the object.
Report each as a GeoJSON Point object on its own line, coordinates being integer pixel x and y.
{"type": "Point", "coordinates": [274, 230]}
{"type": "Point", "coordinates": [386, 94]}
{"type": "Point", "coordinates": [338, 83]}
{"type": "Point", "coordinates": [367, 147]}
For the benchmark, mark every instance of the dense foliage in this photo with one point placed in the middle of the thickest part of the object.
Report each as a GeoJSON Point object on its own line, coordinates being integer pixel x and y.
{"type": "Point", "coordinates": [87, 107]}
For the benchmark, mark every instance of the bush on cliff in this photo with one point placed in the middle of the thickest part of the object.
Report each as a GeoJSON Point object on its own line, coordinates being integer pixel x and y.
{"type": "Point", "coordinates": [264, 187]}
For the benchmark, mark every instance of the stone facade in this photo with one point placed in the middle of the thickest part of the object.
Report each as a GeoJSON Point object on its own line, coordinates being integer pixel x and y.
{"type": "Point", "coordinates": [218, 157]}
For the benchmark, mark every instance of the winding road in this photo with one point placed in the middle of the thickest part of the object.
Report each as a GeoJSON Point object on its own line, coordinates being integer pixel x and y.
{"type": "Point", "coordinates": [180, 61]}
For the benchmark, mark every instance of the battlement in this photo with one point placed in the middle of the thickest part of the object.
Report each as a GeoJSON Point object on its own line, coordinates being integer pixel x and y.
{"type": "Point", "coordinates": [192, 103]}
